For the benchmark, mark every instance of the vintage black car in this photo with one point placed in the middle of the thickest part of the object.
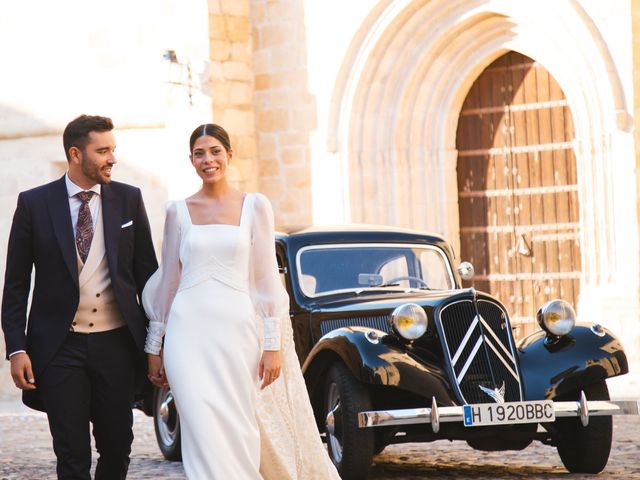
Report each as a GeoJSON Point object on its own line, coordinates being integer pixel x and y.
{"type": "Point", "coordinates": [394, 350]}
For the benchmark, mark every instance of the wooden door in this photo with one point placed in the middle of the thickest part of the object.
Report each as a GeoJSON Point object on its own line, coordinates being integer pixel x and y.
{"type": "Point", "coordinates": [517, 188]}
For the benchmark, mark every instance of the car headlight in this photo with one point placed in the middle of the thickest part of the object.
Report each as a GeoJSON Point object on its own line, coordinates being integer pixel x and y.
{"type": "Point", "coordinates": [409, 320]}
{"type": "Point", "coordinates": [556, 317]}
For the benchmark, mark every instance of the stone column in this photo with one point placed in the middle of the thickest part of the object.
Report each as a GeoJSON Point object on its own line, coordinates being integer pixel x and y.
{"type": "Point", "coordinates": [232, 85]}
{"type": "Point", "coordinates": [285, 110]}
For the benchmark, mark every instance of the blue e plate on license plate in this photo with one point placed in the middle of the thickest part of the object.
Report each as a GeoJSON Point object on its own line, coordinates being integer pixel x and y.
{"type": "Point", "coordinates": [481, 414]}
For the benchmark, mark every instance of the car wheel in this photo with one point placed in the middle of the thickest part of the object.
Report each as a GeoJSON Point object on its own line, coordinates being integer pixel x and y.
{"type": "Point", "coordinates": [586, 449]}
{"type": "Point", "coordinates": [350, 447]}
{"type": "Point", "coordinates": [167, 424]}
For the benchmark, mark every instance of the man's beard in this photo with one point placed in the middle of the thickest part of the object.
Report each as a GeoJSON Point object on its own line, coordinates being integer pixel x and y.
{"type": "Point", "coordinates": [94, 173]}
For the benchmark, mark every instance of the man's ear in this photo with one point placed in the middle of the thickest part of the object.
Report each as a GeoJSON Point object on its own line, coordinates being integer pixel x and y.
{"type": "Point", "coordinates": [74, 154]}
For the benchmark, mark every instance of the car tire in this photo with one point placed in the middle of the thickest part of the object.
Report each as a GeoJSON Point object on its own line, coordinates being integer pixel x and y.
{"type": "Point", "coordinates": [586, 449]}
{"type": "Point", "coordinates": [350, 447]}
{"type": "Point", "coordinates": [167, 424]}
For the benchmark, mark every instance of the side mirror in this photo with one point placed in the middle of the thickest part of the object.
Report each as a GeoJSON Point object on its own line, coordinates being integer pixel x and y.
{"type": "Point", "coordinates": [466, 271]}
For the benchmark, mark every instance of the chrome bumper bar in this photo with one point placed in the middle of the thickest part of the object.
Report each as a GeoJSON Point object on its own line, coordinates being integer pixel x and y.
{"type": "Point", "coordinates": [435, 415]}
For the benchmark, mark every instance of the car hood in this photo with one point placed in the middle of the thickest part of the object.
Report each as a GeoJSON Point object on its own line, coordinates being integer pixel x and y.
{"type": "Point", "coordinates": [371, 301]}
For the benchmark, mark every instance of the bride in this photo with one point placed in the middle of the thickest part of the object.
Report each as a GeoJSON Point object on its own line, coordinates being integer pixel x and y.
{"type": "Point", "coordinates": [228, 352]}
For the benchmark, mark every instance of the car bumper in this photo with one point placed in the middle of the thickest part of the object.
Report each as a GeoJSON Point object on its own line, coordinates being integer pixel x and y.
{"type": "Point", "coordinates": [435, 415]}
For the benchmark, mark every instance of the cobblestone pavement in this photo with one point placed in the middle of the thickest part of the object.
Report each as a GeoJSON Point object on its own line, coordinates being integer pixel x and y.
{"type": "Point", "coordinates": [25, 454]}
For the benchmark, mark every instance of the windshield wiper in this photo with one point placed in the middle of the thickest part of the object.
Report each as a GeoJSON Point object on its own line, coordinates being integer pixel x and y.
{"type": "Point", "coordinates": [384, 286]}
{"type": "Point", "coordinates": [379, 288]}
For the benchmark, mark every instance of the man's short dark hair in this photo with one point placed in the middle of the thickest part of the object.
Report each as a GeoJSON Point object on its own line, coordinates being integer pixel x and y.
{"type": "Point", "coordinates": [76, 133]}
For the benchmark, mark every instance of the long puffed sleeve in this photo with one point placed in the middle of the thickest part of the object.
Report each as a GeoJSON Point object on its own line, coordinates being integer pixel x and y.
{"type": "Point", "coordinates": [161, 288]}
{"type": "Point", "coordinates": [270, 299]}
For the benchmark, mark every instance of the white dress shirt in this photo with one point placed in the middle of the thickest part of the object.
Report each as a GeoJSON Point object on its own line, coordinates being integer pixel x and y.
{"type": "Point", "coordinates": [74, 202]}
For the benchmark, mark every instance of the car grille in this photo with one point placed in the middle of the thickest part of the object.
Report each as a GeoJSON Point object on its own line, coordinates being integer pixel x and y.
{"type": "Point", "coordinates": [379, 322]}
{"type": "Point", "coordinates": [481, 351]}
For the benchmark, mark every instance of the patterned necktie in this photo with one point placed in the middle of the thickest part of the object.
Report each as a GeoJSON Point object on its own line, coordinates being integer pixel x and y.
{"type": "Point", "coordinates": [84, 227]}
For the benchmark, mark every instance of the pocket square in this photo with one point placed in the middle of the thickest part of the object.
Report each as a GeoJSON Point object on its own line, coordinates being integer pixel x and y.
{"type": "Point", "coordinates": [128, 224]}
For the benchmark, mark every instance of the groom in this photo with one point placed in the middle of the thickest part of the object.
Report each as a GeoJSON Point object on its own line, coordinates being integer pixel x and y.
{"type": "Point", "coordinates": [79, 354]}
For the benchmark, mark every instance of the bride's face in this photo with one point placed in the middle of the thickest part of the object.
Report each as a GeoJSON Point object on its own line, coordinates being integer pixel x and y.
{"type": "Point", "coordinates": [210, 159]}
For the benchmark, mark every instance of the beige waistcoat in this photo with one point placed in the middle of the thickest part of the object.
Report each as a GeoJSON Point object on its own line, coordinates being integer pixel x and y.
{"type": "Point", "coordinates": [98, 310]}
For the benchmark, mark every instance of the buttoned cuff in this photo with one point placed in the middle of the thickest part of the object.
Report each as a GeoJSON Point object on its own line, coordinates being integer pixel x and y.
{"type": "Point", "coordinates": [155, 332]}
{"type": "Point", "coordinates": [271, 334]}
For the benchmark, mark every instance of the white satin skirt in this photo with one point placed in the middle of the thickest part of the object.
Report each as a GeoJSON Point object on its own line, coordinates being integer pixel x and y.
{"type": "Point", "coordinates": [211, 357]}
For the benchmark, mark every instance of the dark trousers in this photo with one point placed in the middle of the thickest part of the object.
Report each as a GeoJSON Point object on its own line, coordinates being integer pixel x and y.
{"type": "Point", "coordinates": [91, 379]}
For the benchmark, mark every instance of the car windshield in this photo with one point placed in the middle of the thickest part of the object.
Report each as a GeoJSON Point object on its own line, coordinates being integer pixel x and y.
{"type": "Point", "coordinates": [329, 269]}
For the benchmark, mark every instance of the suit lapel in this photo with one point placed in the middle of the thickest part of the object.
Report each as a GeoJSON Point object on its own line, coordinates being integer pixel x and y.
{"type": "Point", "coordinates": [62, 226]}
{"type": "Point", "coordinates": [111, 217]}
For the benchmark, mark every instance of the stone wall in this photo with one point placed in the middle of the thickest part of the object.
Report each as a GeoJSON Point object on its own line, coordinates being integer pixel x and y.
{"type": "Point", "coordinates": [285, 110]}
{"type": "Point", "coordinates": [232, 81]}
{"type": "Point", "coordinates": [635, 18]}
{"type": "Point", "coordinates": [260, 95]}
{"type": "Point", "coordinates": [117, 67]}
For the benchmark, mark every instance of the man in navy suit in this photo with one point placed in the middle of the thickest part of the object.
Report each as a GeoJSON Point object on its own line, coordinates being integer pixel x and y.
{"type": "Point", "coordinates": [78, 355]}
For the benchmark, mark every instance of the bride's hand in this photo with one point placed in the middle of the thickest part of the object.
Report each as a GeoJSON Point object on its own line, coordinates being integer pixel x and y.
{"type": "Point", "coordinates": [156, 370]}
{"type": "Point", "coordinates": [270, 366]}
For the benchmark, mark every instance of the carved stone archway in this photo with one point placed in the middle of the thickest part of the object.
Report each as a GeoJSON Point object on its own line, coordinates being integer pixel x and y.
{"type": "Point", "coordinates": [396, 107]}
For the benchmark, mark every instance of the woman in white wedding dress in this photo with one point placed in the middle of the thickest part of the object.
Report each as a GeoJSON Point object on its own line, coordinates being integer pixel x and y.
{"type": "Point", "coordinates": [228, 351]}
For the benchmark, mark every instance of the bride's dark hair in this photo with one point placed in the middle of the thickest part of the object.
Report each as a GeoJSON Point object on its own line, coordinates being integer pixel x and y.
{"type": "Point", "coordinates": [211, 130]}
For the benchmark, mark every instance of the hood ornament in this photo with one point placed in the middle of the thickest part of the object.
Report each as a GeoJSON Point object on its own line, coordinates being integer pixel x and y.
{"type": "Point", "coordinates": [496, 393]}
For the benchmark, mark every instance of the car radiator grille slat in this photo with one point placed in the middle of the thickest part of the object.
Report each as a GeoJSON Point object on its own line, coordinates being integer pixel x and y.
{"type": "Point", "coordinates": [480, 360]}
{"type": "Point", "coordinates": [379, 322]}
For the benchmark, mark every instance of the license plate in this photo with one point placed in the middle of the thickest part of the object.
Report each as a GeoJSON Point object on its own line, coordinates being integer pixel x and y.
{"type": "Point", "coordinates": [508, 413]}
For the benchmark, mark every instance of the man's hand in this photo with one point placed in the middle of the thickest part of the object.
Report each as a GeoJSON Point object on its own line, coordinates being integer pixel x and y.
{"type": "Point", "coordinates": [21, 371]}
{"type": "Point", "coordinates": [270, 366]}
{"type": "Point", "coordinates": [156, 370]}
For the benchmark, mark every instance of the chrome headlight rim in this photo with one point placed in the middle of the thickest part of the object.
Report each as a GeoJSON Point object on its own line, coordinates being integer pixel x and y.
{"type": "Point", "coordinates": [409, 321]}
{"type": "Point", "coordinates": [556, 317]}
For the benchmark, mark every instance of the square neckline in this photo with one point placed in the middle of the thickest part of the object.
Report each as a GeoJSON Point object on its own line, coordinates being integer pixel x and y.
{"type": "Point", "coordinates": [239, 225]}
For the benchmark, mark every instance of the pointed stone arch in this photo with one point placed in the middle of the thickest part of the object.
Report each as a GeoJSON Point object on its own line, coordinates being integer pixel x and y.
{"type": "Point", "coordinates": [397, 101]}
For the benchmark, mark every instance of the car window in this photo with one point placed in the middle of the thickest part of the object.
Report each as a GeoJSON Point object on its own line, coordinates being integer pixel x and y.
{"type": "Point", "coordinates": [396, 267]}
{"type": "Point", "coordinates": [325, 269]}
{"type": "Point", "coordinates": [308, 283]}
{"type": "Point", "coordinates": [434, 270]}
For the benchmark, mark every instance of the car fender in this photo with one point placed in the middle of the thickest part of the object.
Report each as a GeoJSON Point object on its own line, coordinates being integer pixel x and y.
{"type": "Point", "coordinates": [556, 369]}
{"type": "Point", "coordinates": [376, 358]}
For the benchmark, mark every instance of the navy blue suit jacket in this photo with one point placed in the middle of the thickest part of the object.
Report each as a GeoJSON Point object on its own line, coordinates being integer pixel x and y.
{"type": "Point", "coordinates": [42, 237]}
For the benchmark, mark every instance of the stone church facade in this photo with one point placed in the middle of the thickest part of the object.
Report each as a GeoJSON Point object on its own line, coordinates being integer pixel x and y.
{"type": "Point", "coordinates": [506, 126]}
